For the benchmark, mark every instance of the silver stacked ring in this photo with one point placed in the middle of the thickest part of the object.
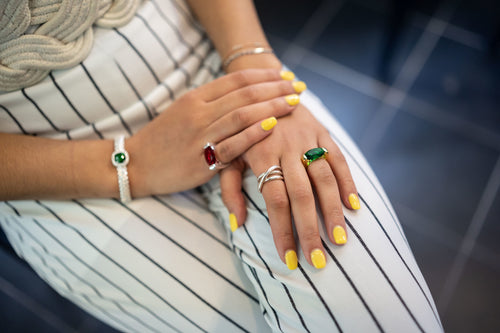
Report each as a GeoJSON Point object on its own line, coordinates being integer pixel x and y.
{"type": "Point", "coordinates": [273, 173]}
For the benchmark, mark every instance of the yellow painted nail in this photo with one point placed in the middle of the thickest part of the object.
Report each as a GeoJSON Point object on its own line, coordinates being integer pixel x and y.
{"type": "Point", "coordinates": [318, 258]}
{"type": "Point", "coordinates": [268, 123]}
{"type": "Point", "coordinates": [287, 75]}
{"type": "Point", "coordinates": [291, 259]}
{"type": "Point", "coordinates": [292, 99]}
{"type": "Point", "coordinates": [339, 235]}
{"type": "Point", "coordinates": [299, 86]}
{"type": "Point", "coordinates": [233, 222]}
{"type": "Point", "coordinates": [354, 201]}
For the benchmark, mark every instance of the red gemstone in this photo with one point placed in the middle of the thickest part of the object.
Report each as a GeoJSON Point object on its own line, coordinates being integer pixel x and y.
{"type": "Point", "coordinates": [210, 155]}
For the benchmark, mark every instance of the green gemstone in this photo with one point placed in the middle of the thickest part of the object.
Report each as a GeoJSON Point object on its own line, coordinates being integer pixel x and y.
{"type": "Point", "coordinates": [314, 154]}
{"type": "Point", "coordinates": [120, 158]}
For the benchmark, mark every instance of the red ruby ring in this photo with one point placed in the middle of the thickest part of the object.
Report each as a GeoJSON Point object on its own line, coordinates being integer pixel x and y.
{"type": "Point", "coordinates": [209, 153]}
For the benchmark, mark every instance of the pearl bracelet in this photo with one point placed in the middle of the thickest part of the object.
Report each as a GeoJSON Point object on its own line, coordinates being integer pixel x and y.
{"type": "Point", "coordinates": [120, 159]}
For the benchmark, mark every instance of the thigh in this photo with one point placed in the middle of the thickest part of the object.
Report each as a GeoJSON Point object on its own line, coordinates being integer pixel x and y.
{"type": "Point", "coordinates": [160, 264]}
{"type": "Point", "coordinates": [372, 283]}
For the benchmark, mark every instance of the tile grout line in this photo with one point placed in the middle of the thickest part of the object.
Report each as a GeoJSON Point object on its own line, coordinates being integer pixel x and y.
{"type": "Point", "coordinates": [373, 88]}
{"type": "Point", "coordinates": [434, 115]}
{"type": "Point", "coordinates": [34, 307]}
{"type": "Point", "coordinates": [404, 81]}
{"type": "Point", "coordinates": [454, 32]}
{"type": "Point", "coordinates": [310, 32]}
{"type": "Point", "coordinates": [469, 241]}
{"type": "Point", "coordinates": [430, 229]}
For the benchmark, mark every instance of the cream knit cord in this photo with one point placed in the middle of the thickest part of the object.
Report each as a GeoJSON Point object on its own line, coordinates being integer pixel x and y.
{"type": "Point", "coordinates": [37, 36]}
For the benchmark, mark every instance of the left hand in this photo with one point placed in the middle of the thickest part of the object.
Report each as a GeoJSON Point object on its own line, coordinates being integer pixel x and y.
{"type": "Point", "coordinates": [330, 178]}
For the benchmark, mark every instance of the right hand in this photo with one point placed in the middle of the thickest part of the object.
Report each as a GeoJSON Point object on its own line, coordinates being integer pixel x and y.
{"type": "Point", "coordinates": [166, 155]}
{"type": "Point", "coordinates": [326, 184]}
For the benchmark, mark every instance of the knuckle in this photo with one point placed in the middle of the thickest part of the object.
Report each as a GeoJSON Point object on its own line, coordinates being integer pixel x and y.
{"type": "Point", "coordinates": [241, 117]}
{"type": "Point", "coordinates": [242, 78]}
{"type": "Point", "coordinates": [301, 195]}
{"type": "Point", "coordinates": [251, 94]}
{"type": "Point", "coordinates": [347, 182]}
{"type": "Point", "coordinates": [190, 97]}
{"type": "Point", "coordinates": [249, 136]}
{"type": "Point", "coordinates": [285, 88]}
{"type": "Point", "coordinates": [283, 236]}
{"type": "Point", "coordinates": [336, 213]}
{"type": "Point", "coordinates": [224, 152]}
{"type": "Point", "coordinates": [277, 106]}
{"type": "Point", "coordinates": [310, 235]}
{"type": "Point", "coordinates": [323, 172]}
{"type": "Point", "coordinates": [278, 201]}
{"type": "Point", "coordinates": [329, 181]}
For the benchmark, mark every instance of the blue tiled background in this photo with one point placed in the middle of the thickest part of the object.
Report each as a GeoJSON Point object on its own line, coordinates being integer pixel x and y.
{"type": "Point", "coordinates": [425, 110]}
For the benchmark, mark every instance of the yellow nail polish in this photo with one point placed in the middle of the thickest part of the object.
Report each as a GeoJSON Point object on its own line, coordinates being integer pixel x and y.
{"type": "Point", "coordinates": [287, 75]}
{"type": "Point", "coordinates": [299, 86]}
{"type": "Point", "coordinates": [354, 201]}
{"type": "Point", "coordinates": [268, 123]}
{"type": "Point", "coordinates": [318, 258]}
{"type": "Point", "coordinates": [339, 235]}
{"type": "Point", "coordinates": [233, 222]}
{"type": "Point", "coordinates": [292, 99]}
{"type": "Point", "coordinates": [291, 259]}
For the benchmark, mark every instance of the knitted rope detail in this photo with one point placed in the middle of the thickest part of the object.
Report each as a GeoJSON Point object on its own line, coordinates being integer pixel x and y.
{"type": "Point", "coordinates": [37, 36]}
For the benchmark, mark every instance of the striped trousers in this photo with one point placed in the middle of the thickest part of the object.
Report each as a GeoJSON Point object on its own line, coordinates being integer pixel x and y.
{"type": "Point", "coordinates": [169, 263]}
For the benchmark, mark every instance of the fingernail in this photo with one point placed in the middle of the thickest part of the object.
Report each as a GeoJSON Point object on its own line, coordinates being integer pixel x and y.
{"type": "Point", "coordinates": [287, 75]}
{"type": "Point", "coordinates": [299, 86]}
{"type": "Point", "coordinates": [268, 123]}
{"type": "Point", "coordinates": [291, 259]}
{"type": "Point", "coordinates": [292, 99]}
{"type": "Point", "coordinates": [339, 235]}
{"type": "Point", "coordinates": [233, 222]}
{"type": "Point", "coordinates": [354, 201]}
{"type": "Point", "coordinates": [318, 258]}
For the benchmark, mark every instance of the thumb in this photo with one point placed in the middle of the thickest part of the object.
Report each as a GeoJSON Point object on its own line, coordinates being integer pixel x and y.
{"type": "Point", "coordinates": [232, 196]}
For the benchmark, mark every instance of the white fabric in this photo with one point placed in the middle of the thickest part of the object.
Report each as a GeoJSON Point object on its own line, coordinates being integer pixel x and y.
{"type": "Point", "coordinates": [170, 263]}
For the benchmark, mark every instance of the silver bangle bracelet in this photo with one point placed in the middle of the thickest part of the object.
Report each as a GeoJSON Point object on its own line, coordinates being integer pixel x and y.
{"type": "Point", "coordinates": [120, 159]}
{"type": "Point", "coordinates": [257, 50]}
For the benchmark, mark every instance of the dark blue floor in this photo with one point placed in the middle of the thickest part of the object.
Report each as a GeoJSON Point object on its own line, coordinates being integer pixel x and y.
{"type": "Point", "coordinates": [426, 113]}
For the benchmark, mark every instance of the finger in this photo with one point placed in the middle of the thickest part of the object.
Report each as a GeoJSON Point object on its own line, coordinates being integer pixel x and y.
{"type": "Point", "coordinates": [326, 187]}
{"type": "Point", "coordinates": [304, 210]}
{"type": "Point", "coordinates": [232, 196]}
{"type": "Point", "coordinates": [236, 145]}
{"type": "Point", "coordinates": [244, 117]}
{"type": "Point", "coordinates": [234, 81]}
{"type": "Point", "coordinates": [280, 219]}
{"type": "Point", "coordinates": [255, 93]}
{"type": "Point", "coordinates": [338, 163]}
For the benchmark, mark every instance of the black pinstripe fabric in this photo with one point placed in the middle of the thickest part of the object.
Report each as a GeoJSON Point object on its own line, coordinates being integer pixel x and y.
{"type": "Point", "coordinates": [170, 263]}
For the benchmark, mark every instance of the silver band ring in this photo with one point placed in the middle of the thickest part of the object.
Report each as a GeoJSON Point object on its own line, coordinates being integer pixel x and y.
{"type": "Point", "coordinates": [212, 161]}
{"type": "Point", "coordinates": [273, 173]}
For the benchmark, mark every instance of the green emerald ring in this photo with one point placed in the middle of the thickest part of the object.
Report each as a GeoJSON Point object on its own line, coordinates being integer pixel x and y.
{"type": "Point", "coordinates": [314, 154]}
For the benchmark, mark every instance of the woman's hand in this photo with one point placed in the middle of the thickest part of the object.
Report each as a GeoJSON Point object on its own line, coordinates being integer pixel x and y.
{"type": "Point", "coordinates": [167, 155]}
{"type": "Point", "coordinates": [329, 178]}
{"type": "Point", "coordinates": [233, 113]}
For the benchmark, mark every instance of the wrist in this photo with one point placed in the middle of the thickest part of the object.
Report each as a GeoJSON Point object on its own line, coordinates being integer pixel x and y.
{"type": "Point", "coordinates": [96, 176]}
{"type": "Point", "coordinates": [264, 60]}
